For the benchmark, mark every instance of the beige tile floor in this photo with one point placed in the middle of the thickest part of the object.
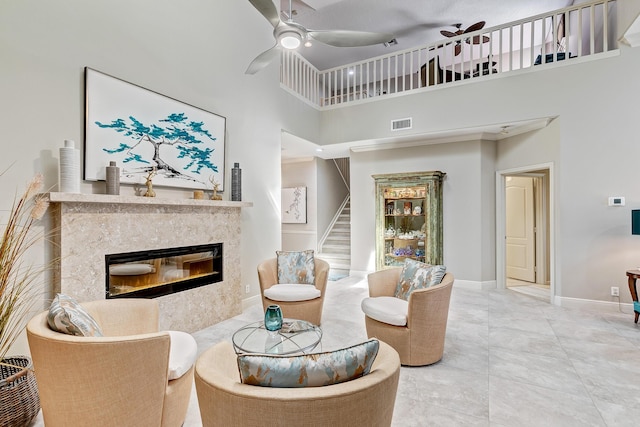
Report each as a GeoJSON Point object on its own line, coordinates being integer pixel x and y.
{"type": "Point", "coordinates": [510, 360]}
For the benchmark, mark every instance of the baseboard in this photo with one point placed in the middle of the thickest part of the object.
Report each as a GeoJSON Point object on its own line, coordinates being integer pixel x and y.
{"type": "Point", "coordinates": [473, 284]}
{"type": "Point", "coordinates": [594, 305]}
{"type": "Point", "coordinates": [251, 301]}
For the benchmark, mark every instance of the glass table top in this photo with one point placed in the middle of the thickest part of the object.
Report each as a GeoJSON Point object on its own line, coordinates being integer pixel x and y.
{"type": "Point", "coordinates": [296, 336]}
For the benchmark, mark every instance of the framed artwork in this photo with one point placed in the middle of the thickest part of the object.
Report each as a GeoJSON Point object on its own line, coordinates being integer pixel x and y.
{"type": "Point", "coordinates": [145, 133]}
{"type": "Point", "coordinates": [294, 205]}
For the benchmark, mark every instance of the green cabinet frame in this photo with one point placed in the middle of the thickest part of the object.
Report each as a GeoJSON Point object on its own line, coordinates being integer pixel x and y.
{"type": "Point", "coordinates": [397, 196]}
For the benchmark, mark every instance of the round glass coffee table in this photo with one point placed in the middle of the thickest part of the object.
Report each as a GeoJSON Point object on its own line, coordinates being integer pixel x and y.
{"type": "Point", "coordinates": [296, 336]}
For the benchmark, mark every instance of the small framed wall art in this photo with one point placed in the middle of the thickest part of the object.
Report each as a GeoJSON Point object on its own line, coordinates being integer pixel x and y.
{"type": "Point", "coordinates": [294, 205]}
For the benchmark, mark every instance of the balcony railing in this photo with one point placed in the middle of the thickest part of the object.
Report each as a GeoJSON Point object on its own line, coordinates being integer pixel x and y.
{"type": "Point", "coordinates": [578, 31]}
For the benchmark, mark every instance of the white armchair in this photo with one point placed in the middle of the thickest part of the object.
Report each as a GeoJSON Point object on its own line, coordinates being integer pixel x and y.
{"type": "Point", "coordinates": [296, 301]}
{"type": "Point", "coordinates": [415, 328]}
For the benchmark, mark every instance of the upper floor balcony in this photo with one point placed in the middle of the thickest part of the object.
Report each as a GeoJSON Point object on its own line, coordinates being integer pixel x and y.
{"type": "Point", "coordinates": [581, 32]}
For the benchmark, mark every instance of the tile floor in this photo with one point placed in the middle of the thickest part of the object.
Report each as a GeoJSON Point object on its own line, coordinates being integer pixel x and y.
{"type": "Point", "coordinates": [510, 360]}
{"type": "Point", "coordinates": [542, 292]}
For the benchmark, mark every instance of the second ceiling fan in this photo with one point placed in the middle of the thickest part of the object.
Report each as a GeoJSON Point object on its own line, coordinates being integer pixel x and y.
{"type": "Point", "coordinates": [475, 39]}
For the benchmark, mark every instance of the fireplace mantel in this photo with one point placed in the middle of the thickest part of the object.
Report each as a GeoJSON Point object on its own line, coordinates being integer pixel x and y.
{"type": "Point", "coordinates": [72, 198]}
{"type": "Point", "coordinates": [89, 226]}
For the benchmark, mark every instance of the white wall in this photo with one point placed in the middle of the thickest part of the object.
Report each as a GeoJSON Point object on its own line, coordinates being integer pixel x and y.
{"type": "Point", "coordinates": [593, 146]}
{"type": "Point", "coordinates": [181, 49]}
{"type": "Point", "coordinates": [297, 237]}
{"type": "Point", "coordinates": [464, 220]}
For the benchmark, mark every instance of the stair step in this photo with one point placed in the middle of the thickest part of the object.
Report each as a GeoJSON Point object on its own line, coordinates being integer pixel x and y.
{"type": "Point", "coordinates": [342, 228]}
{"type": "Point", "coordinates": [346, 266]}
{"type": "Point", "coordinates": [346, 237]}
{"type": "Point", "coordinates": [336, 249]}
{"type": "Point", "coordinates": [331, 256]}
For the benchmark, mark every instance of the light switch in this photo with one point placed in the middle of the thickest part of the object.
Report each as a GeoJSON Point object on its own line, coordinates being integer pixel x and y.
{"type": "Point", "coordinates": [616, 201]}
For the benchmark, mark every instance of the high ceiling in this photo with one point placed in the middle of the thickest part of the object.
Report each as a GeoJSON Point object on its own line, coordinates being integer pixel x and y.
{"type": "Point", "coordinates": [412, 22]}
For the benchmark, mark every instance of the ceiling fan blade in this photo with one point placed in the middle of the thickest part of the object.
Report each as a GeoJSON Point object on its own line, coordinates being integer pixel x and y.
{"type": "Point", "coordinates": [447, 33]}
{"type": "Point", "coordinates": [476, 40]}
{"type": "Point", "coordinates": [268, 10]}
{"type": "Point", "coordinates": [458, 49]}
{"type": "Point", "coordinates": [475, 27]}
{"type": "Point", "coordinates": [346, 38]}
{"type": "Point", "coordinates": [263, 60]}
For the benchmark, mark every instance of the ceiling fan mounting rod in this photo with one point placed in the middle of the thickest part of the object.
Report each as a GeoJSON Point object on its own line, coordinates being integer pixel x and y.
{"type": "Point", "coordinates": [290, 11]}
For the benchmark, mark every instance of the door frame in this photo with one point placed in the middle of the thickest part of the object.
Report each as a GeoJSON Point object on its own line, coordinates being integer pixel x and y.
{"type": "Point", "coordinates": [501, 264]}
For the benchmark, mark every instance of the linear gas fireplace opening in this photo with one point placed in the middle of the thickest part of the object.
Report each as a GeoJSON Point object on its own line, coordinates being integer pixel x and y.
{"type": "Point", "coordinates": [153, 273]}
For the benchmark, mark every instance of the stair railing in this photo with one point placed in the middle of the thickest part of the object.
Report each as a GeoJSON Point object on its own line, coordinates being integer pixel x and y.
{"type": "Point", "coordinates": [332, 223]}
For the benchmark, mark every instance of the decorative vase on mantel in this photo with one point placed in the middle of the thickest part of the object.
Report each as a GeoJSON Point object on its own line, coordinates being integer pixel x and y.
{"type": "Point", "coordinates": [112, 173]}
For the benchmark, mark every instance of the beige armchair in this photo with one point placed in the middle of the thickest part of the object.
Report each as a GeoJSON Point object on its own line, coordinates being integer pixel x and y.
{"type": "Point", "coordinates": [120, 379]}
{"type": "Point", "coordinates": [309, 310]}
{"type": "Point", "coordinates": [225, 401]}
{"type": "Point", "coordinates": [421, 340]}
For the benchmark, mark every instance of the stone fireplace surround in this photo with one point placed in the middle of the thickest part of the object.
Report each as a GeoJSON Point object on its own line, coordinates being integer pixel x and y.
{"type": "Point", "coordinates": [89, 226]}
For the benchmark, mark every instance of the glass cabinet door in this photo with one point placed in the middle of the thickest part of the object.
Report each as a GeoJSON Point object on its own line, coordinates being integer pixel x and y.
{"type": "Point", "coordinates": [408, 218]}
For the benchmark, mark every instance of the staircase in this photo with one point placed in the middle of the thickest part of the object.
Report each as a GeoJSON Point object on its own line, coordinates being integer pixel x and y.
{"type": "Point", "coordinates": [336, 249]}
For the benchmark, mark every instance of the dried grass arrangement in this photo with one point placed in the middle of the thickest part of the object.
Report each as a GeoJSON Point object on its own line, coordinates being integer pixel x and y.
{"type": "Point", "coordinates": [18, 279]}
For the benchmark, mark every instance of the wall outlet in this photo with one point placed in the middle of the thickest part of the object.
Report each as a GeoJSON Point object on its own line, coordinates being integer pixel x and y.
{"type": "Point", "coordinates": [615, 291]}
{"type": "Point", "coordinates": [247, 289]}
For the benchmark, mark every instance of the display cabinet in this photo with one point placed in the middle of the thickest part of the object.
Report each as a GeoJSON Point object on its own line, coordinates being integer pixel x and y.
{"type": "Point", "coordinates": [408, 218]}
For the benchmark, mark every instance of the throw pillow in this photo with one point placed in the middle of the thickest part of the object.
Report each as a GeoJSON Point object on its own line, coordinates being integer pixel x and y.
{"type": "Point", "coordinates": [308, 370]}
{"type": "Point", "coordinates": [68, 317]}
{"type": "Point", "coordinates": [418, 275]}
{"type": "Point", "coordinates": [296, 267]}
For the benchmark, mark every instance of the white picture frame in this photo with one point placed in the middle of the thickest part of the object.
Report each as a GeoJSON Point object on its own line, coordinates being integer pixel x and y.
{"type": "Point", "coordinates": [145, 133]}
{"type": "Point", "coordinates": [294, 205]}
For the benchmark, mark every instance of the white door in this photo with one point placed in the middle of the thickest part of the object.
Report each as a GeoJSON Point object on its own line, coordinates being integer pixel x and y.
{"type": "Point", "coordinates": [520, 223]}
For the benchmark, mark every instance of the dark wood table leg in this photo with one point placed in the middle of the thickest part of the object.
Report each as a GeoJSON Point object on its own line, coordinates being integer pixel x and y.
{"type": "Point", "coordinates": [634, 294]}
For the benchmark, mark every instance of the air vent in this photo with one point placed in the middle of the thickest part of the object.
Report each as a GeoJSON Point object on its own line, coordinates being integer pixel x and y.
{"type": "Point", "coordinates": [401, 124]}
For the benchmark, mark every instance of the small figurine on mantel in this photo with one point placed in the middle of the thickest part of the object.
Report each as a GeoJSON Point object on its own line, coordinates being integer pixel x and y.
{"type": "Point", "coordinates": [216, 187]}
{"type": "Point", "coordinates": [150, 193]}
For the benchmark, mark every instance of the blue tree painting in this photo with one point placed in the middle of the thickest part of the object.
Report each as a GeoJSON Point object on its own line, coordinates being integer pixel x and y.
{"type": "Point", "coordinates": [185, 136]}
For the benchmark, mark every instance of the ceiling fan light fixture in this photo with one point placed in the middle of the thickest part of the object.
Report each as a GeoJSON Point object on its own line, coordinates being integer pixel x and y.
{"type": "Point", "coordinates": [289, 39]}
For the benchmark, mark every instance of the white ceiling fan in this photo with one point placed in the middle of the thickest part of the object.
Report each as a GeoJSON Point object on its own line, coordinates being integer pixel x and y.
{"type": "Point", "coordinates": [289, 35]}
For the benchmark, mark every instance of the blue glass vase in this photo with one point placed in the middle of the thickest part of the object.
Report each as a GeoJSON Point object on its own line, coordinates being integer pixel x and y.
{"type": "Point", "coordinates": [273, 318]}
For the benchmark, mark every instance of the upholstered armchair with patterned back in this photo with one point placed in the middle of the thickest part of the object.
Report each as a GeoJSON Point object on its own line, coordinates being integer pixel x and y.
{"type": "Point", "coordinates": [411, 320]}
{"type": "Point", "coordinates": [226, 399]}
{"type": "Point", "coordinates": [127, 374]}
{"type": "Point", "coordinates": [296, 281]}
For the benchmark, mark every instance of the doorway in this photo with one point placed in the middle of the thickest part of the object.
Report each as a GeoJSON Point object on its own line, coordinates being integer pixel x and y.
{"type": "Point", "coordinates": [525, 230]}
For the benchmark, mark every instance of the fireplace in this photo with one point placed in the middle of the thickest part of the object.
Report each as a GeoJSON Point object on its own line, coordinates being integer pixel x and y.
{"type": "Point", "coordinates": [154, 273]}
{"type": "Point", "coordinates": [88, 226]}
